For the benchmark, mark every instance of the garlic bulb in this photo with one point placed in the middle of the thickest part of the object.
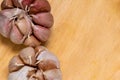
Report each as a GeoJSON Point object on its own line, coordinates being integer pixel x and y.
{"type": "Point", "coordinates": [26, 22]}
{"type": "Point", "coordinates": [34, 64]}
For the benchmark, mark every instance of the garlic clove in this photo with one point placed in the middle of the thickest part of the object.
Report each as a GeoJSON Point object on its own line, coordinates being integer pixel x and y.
{"type": "Point", "coordinates": [15, 35]}
{"type": "Point", "coordinates": [40, 6]}
{"type": "Point", "coordinates": [20, 74]}
{"type": "Point", "coordinates": [17, 3]}
{"type": "Point", "coordinates": [31, 41]}
{"type": "Point", "coordinates": [47, 61]}
{"type": "Point", "coordinates": [5, 26]}
{"type": "Point", "coordinates": [43, 19]}
{"type": "Point", "coordinates": [41, 33]}
{"type": "Point", "coordinates": [11, 13]}
{"type": "Point", "coordinates": [39, 49]}
{"type": "Point", "coordinates": [39, 75]}
{"type": "Point", "coordinates": [28, 56]}
{"type": "Point", "coordinates": [15, 64]}
{"type": "Point", "coordinates": [23, 26]}
{"type": "Point", "coordinates": [7, 4]}
{"type": "Point", "coordinates": [54, 74]}
{"type": "Point", "coordinates": [26, 3]}
{"type": "Point", "coordinates": [31, 73]}
{"type": "Point", "coordinates": [22, 3]}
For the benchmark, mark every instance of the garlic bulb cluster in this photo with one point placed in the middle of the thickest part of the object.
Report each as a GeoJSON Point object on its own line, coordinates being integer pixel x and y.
{"type": "Point", "coordinates": [28, 22]}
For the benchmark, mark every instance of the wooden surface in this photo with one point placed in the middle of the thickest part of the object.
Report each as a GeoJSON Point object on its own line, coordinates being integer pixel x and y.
{"type": "Point", "coordinates": [85, 38]}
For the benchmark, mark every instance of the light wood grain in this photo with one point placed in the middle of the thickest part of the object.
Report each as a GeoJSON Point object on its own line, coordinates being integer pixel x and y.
{"type": "Point", "coordinates": [85, 38]}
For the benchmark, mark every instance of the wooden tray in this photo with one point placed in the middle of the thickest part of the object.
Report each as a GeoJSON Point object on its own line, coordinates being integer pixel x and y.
{"type": "Point", "coordinates": [85, 38]}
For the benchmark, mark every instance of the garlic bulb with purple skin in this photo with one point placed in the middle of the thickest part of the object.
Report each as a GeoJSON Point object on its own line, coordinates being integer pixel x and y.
{"type": "Point", "coordinates": [34, 64]}
{"type": "Point", "coordinates": [26, 22]}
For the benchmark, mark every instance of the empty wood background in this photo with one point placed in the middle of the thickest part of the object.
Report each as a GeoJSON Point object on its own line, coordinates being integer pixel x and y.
{"type": "Point", "coordinates": [85, 38]}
